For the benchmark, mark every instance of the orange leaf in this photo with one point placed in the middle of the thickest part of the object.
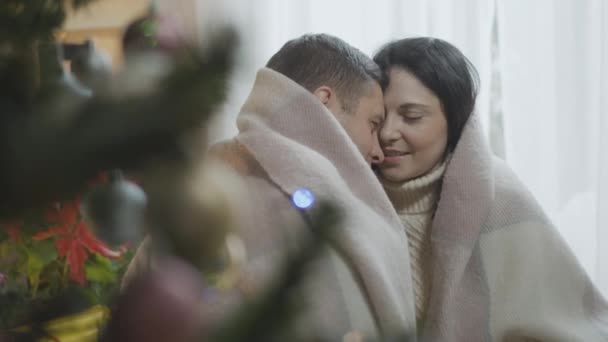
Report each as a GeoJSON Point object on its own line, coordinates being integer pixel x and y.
{"type": "Point", "coordinates": [53, 231]}
{"type": "Point", "coordinates": [65, 245]}
{"type": "Point", "coordinates": [93, 244]}
{"type": "Point", "coordinates": [74, 240]}
{"type": "Point", "coordinates": [76, 260]}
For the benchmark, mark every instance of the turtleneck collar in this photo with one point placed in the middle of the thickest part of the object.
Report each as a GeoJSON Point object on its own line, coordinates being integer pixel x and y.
{"type": "Point", "coordinates": [418, 195]}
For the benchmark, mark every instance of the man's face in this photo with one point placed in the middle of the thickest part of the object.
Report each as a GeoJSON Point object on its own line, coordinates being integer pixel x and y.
{"type": "Point", "coordinates": [363, 122]}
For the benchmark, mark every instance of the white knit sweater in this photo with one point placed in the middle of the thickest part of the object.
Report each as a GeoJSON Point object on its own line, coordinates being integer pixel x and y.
{"type": "Point", "coordinates": [415, 201]}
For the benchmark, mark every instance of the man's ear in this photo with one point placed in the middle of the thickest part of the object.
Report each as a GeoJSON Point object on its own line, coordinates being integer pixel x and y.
{"type": "Point", "coordinates": [330, 100]}
{"type": "Point", "coordinates": [325, 94]}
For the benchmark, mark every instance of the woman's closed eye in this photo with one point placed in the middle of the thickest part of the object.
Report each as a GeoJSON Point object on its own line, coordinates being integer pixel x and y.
{"type": "Point", "coordinates": [412, 112]}
{"type": "Point", "coordinates": [412, 117]}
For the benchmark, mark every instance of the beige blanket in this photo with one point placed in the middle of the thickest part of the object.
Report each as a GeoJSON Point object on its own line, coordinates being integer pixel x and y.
{"type": "Point", "coordinates": [299, 143]}
{"type": "Point", "coordinates": [500, 270]}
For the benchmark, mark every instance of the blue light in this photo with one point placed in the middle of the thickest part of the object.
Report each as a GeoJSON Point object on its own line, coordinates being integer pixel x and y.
{"type": "Point", "coordinates": [303, 198]}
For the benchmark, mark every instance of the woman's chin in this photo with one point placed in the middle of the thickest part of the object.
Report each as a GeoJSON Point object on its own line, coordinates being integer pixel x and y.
{"type": "Point", "coordinates": [392, 175]}
{"type": "Point", "coordinates": [398, 173]}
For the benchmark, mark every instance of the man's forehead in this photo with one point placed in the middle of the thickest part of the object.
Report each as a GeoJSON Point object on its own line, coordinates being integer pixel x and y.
{"type": "Point", "coordinates": [373, 104]}
{"type": "Point", "coordinates": [376, 99]}
{"type": "Point", "coordinates": [373, 107]}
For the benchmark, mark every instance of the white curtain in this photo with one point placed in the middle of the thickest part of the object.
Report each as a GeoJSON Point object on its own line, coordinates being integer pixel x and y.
{"type": "Point", "coordinates": [544, 85]}
{"type": "Point", "coordinates": [554, 86]}
{"type": "Point", "coordinates": [267, 24]}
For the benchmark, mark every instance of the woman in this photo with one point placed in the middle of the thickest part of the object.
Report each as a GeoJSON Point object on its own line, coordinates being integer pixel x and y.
{"type": "Point", "coordinates": [486, 262]}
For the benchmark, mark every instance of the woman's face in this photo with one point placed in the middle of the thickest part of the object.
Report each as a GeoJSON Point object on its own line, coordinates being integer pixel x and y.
{"type": "Point", "coordinates": [415, 133]}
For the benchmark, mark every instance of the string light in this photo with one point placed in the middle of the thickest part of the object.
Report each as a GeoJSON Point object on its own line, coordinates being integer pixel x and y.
{"type": "Point", "coordinates": [303, 198]}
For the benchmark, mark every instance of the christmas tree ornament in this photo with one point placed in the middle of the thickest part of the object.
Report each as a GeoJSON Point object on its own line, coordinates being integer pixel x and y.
{"type": "Point", "coordinates": [90, 65]}
{"type": "Point", "coordinates": [54, 80]}
{"type": "Point", "coordinates": [115, 210]}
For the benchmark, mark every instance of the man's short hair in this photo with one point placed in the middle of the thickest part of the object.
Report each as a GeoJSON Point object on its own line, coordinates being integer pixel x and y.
{"type": "Point", "coordinates": [314, 60]}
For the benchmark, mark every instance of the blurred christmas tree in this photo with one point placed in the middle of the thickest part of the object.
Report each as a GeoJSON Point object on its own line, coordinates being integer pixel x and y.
{"type": "Point", "coordinates": [57, 134]}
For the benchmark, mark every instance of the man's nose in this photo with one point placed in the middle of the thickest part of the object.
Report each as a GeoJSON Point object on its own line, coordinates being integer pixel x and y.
{"type": "Point", "coordinates": [377, 154]}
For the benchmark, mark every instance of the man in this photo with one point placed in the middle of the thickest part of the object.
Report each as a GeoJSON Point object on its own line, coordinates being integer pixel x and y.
{"type": "Point", "coordinates": [311, 121]}
{"type": "Point", "coordinates": [346, 81]}
{"type": "Point", "coordinates": [316, 93]}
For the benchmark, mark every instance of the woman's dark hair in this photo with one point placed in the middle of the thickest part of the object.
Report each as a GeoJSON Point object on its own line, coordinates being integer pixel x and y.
{"type": "Point", "coordinates": [443, 69]}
